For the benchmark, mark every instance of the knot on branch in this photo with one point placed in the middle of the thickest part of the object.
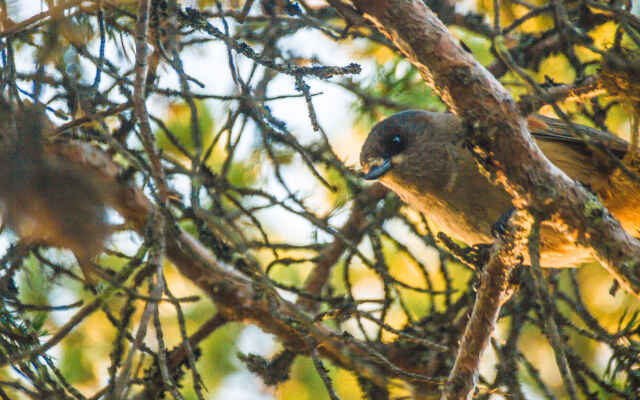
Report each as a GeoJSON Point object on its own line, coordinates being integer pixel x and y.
{"type": "Point", "coordinates": [272, 372]}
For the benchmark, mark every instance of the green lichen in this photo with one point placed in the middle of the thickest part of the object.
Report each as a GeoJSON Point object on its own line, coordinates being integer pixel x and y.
{"type": "Point", "coordinates": [593, 209]}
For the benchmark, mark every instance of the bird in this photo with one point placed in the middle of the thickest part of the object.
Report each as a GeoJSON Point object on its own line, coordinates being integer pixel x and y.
{"type": "Point", "coordinates": [422, 157]}
{"type": "Point", "coordinates": [46, 199]}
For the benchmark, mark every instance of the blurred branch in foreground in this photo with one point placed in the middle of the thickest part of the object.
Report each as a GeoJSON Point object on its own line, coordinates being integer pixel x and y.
{"type": "Point", "coordinates": [223, 138]}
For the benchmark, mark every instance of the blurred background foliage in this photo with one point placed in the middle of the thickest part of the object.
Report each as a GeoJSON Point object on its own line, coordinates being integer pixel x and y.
{"type": "Point", "coordinates": [278, 189]}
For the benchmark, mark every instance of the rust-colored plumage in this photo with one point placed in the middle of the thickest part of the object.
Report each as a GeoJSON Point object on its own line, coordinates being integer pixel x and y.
{"type": "Point", "coordinates": [418, 155]}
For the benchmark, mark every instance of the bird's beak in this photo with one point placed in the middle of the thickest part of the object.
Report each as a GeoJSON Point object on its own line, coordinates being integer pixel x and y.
{"type": "Point", "coordinates": [377, 172]}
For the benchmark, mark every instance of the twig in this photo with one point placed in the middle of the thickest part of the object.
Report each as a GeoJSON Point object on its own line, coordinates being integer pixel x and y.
{"type": "Point", "coordinates": [139, 95]}
{"type": "Point", "coordinates": [542, 291]}
{"type": "Point", "coordinates": [495, 289]}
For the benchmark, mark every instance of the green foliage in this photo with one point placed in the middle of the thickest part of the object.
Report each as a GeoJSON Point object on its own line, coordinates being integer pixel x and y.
{"type": "Point", "coordinates": [180, 130]}
{"type": "Point", "coordinates": [219, 359]}
{"type": "Point", "coordinates": [77, 365]}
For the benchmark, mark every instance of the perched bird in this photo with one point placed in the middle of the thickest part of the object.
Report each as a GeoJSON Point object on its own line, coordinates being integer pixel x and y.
{"type": "Point", "coordinates": [46, 199]}
{"type": "Point", "coordinates": [419, 155]}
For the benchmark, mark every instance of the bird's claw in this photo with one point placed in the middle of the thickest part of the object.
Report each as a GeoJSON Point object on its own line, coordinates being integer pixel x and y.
{"type": "Point", "coordinates": [499, 228]}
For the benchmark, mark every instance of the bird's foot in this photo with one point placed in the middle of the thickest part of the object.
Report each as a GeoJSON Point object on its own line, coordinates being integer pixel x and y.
{"type": "Point", "coordinates": [499, 229]}
{"type": "Point", "coordinates": [479, 254]}
{"type": "Point", "coordinates": [473, 256]}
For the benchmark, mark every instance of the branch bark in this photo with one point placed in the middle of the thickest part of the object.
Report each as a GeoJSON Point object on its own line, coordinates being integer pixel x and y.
{"type": "Point", "coordinates": [498, 133]}
{"type": "Point", "coordinates": [502, 144]}
{"type": "Point", "coordinates": [495, 289]}
{"type": "Point", "coordinates": [239, 298]}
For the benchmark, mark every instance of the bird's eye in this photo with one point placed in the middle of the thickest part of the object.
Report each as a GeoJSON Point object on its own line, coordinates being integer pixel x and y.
{"type": "Point", "coordinates": [396, 145]}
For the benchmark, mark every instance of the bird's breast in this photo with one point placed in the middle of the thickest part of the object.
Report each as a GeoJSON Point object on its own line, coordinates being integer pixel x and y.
{"type": "Point", "coordinates": [455, 213]}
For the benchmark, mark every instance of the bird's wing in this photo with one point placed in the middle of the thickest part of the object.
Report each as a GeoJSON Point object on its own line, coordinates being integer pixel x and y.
{"type": "Point", "coordinates": [542, 127]}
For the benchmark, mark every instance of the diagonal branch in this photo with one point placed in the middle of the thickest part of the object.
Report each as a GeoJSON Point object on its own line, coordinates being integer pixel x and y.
{"type": "Point", "coordinates": [239, 298]}
{"type": "Point", "coordinates": [353, 230]}
{"type": "Point", "coordinates": [490, 113]}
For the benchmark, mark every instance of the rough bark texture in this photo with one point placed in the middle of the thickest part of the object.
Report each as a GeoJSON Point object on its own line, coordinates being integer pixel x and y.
{"type": "Point", "coordinates": [495, 289]}
{"type": "Point", "coordinates": [499, 135]}
{"type": "Point", "coordinates": [191, 176]}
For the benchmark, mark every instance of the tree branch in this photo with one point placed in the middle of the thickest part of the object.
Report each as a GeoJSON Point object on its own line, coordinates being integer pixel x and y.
{"type": "Point", "coordinates": [237, 297]}
{"type": "Point", "coordinates": [489, 112]}
{"type": "Point", "coordinates": [495, 289]}
{"type": "Point", "coordinates": [352, 230]}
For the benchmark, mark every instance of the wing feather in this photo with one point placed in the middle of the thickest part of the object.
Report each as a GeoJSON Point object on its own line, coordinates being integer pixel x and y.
{"type": "Point", "coordinates": [542, 127]}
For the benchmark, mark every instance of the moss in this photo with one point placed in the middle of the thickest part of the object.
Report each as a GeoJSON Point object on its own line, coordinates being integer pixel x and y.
{"type": "Point", "coordinates": [593, 209]}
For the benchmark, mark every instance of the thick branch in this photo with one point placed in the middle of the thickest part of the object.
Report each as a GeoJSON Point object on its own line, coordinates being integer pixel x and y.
{"type": "Point", "coordinates": [499, 135]}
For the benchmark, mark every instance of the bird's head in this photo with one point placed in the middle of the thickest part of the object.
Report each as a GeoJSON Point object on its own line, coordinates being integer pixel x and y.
{"type": "Point", "coordinates": [407, 146]}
